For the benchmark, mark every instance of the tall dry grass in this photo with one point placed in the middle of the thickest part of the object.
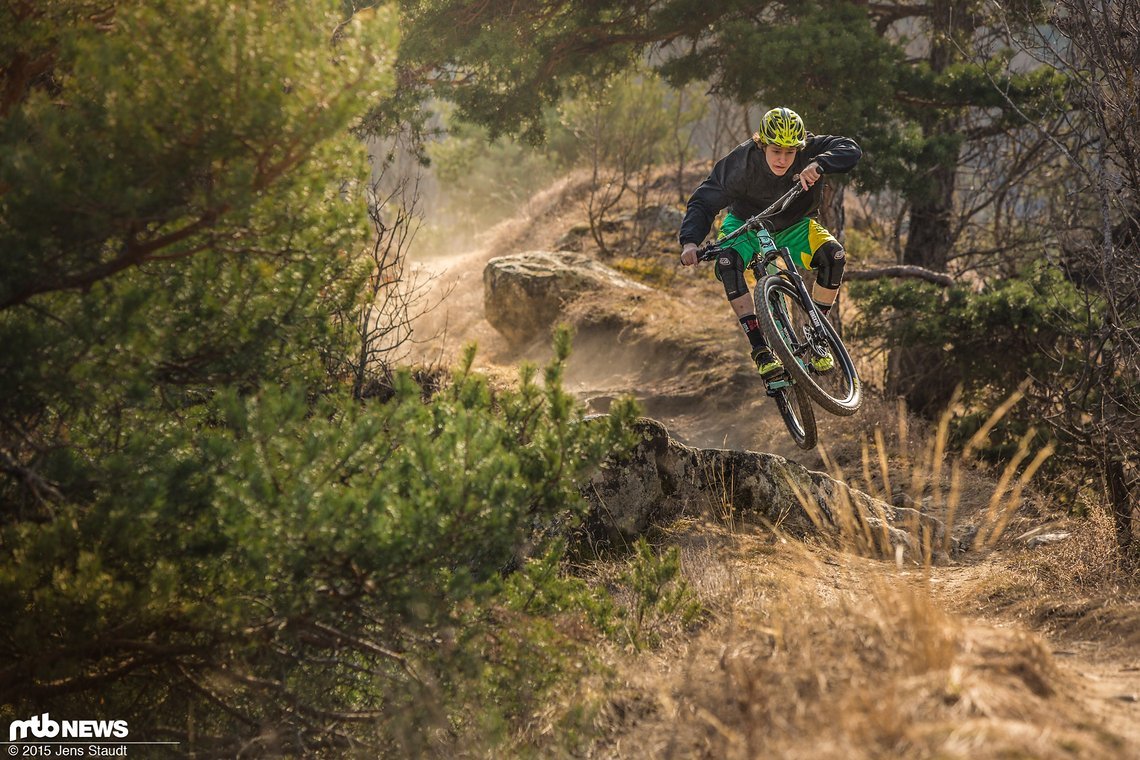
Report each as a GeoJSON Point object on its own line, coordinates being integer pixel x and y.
{"type": "Point", "coordinates": [918, 487]}
{"type": "Point", "coordinates": [824, 650]}
{"type": "Point", "coordinates": [818, 653]}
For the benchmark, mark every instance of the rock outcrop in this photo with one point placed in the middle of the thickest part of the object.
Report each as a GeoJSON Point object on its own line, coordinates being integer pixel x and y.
{"type": "Point", "coordinates": [661, 218]}
{"type": "Point", "coordinates": [663, 480]}
{"type": "Point", "coordinates": [523, 294]}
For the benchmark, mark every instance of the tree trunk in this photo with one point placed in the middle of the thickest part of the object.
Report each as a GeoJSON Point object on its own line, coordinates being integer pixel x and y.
{"type": "Point", "coordinates": [919, 374]}
{"type": "Point", "coordinates": [929, 237]}
{"type": "Point", "coordinates": [1118, 497]}
{"type": "Point", "coordinates": [831, 213]}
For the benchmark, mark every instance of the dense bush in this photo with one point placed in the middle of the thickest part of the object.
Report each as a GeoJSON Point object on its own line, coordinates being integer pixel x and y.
{"type": "Point", "coordinates": [1027, 332]}
{"type": "Point", "coordinates": [990, 340]}
{"type": "Point", "coordinates": [201, 531]}
{"type": "Point", "coordinates": [303, 566]}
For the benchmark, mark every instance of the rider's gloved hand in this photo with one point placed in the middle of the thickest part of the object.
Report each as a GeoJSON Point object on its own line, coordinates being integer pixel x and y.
{"type": "Point", "coordinates": [810, 175]}
{"type": "Point", "coordinates": [689, 254]}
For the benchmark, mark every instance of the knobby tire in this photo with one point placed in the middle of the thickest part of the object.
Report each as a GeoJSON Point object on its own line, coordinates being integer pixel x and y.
{"type": "Point", "coordinates": [839, 390]}
{"type": "Point", "coordinates": [799, 417]}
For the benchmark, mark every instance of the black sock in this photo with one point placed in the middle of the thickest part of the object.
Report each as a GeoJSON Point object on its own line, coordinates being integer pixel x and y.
{"type": "Point", "coordinates": [751, 327]}
{"type": "Point", "coordinates": [823, 308]}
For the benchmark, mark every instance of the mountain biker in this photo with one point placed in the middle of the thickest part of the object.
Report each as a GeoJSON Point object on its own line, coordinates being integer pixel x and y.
{"type": "Point", "coordinates": [748, 180]}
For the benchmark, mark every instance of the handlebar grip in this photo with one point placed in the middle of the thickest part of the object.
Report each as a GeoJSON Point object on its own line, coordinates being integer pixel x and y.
{"type": "Point", "coordinates": [708, 252]}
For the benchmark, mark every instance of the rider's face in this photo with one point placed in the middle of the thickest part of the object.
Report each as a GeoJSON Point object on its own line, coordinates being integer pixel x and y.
{"type": "Point", "coordinates": [779, 158]}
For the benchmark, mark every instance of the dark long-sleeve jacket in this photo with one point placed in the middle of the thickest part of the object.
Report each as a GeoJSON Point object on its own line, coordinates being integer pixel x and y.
{"type": "Point", "coordinates": [743, 183]}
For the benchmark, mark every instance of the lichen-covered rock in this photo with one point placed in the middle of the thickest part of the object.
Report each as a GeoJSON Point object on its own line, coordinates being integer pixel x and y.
{"type": "Point", "coordinates": [661, 218]}
{"type": "Point", "coordinates": [662, 479]}
{"type": "Point", "coordinates": [523, 294]}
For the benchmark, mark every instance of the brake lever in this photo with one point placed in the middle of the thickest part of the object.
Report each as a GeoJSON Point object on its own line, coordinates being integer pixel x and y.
{"type": "Point", "coordinates": [708, 251]}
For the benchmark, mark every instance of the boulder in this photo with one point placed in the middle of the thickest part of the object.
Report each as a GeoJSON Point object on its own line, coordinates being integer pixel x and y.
{"type": "Point", "coordinates": [665, 219]}
{"type": "Point", "coordinates": [523, 294]}
{"type": "Point", "coordinates": [662, 479]}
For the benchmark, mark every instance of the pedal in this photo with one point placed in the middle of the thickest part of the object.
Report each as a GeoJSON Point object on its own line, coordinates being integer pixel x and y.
{"type": "Point", "coordinates": [774, 386]}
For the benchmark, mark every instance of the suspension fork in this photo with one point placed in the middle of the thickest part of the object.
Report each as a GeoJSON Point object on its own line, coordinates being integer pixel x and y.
{"type": "Point", "coordinates": [805, 297]}
{"type": "Point", "coordinates": [771, 254]}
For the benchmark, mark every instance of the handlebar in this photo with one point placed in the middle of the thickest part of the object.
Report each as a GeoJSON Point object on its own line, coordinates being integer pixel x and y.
{"type": "Point", "coordinates": [709, 250]}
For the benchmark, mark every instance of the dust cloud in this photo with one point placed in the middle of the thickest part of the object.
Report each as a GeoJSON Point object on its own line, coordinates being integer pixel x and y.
{"type": "Point", "coordinates": [703, 390]}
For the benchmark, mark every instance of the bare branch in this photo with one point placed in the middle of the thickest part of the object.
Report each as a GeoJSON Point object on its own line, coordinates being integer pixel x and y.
{"type": "Point", "coordinates": [900, 271]}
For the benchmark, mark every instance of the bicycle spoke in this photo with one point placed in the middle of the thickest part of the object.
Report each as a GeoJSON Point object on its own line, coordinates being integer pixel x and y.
{"type": "Point", "coordinates": [803, 352]}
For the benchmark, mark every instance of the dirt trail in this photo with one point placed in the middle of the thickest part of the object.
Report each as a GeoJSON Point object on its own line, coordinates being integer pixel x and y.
{"type": "Point", "coordinates": [1105, 673]}
{"type": "Point", "coordinates": [1112, 684]}
{"type": "Point", "coordinates": [1104, 681]}
{"type": "Point", "coordinates": [707, 410]}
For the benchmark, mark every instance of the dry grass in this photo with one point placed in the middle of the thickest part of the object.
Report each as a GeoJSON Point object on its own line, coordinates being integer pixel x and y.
{"type": "Point", "coordinates": [1078, 586]}
{"type": "Point", "coordinates": [1075, 590]}
{"type": "Point", "coordinates": [819, 654]}
{"type": "Point", "coordinates": [896, 464]}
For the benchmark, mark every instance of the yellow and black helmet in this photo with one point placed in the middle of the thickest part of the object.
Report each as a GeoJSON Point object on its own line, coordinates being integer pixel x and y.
{"type": "Point", "coordinates": [783, 127]}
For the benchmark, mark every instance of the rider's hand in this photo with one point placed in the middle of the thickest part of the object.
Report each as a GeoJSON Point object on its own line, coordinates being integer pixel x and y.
{"type": "Point", "coordinates": [810, 175]}
{"type": "Point", "coordinates": [689, 254]}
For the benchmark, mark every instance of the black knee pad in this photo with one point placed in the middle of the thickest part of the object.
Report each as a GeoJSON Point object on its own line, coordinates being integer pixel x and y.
{"type": "Point", "coordinates": [730, 271]}
{"type": "Point", "coordinates": [829, 259]}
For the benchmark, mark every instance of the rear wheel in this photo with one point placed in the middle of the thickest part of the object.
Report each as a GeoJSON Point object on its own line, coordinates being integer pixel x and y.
{"type": "Point", "coordinates": [790, 334]}
{"type": "Point", "coordinates": [795, 408]}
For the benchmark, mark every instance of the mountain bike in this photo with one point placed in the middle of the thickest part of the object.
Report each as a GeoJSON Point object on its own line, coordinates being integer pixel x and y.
{"type": "Point", "coordinates": [796, 331]}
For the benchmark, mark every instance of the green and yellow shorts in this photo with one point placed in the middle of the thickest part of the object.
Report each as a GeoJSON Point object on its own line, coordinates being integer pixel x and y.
{"type": "Point", "coordinates": [803, 239]}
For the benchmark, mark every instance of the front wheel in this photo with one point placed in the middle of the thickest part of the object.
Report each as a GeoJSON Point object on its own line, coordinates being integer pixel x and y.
{"type": "Point", "coordinates": [788, 329]}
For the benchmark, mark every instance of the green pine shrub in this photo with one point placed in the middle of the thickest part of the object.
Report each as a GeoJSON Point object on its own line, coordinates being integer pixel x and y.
{"type": "Point", "coordinates": [336, 572]}
{"type": "Point", "coordinates": [991, 341]}
{"type": "Point", "coordinates": [201, 531]}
